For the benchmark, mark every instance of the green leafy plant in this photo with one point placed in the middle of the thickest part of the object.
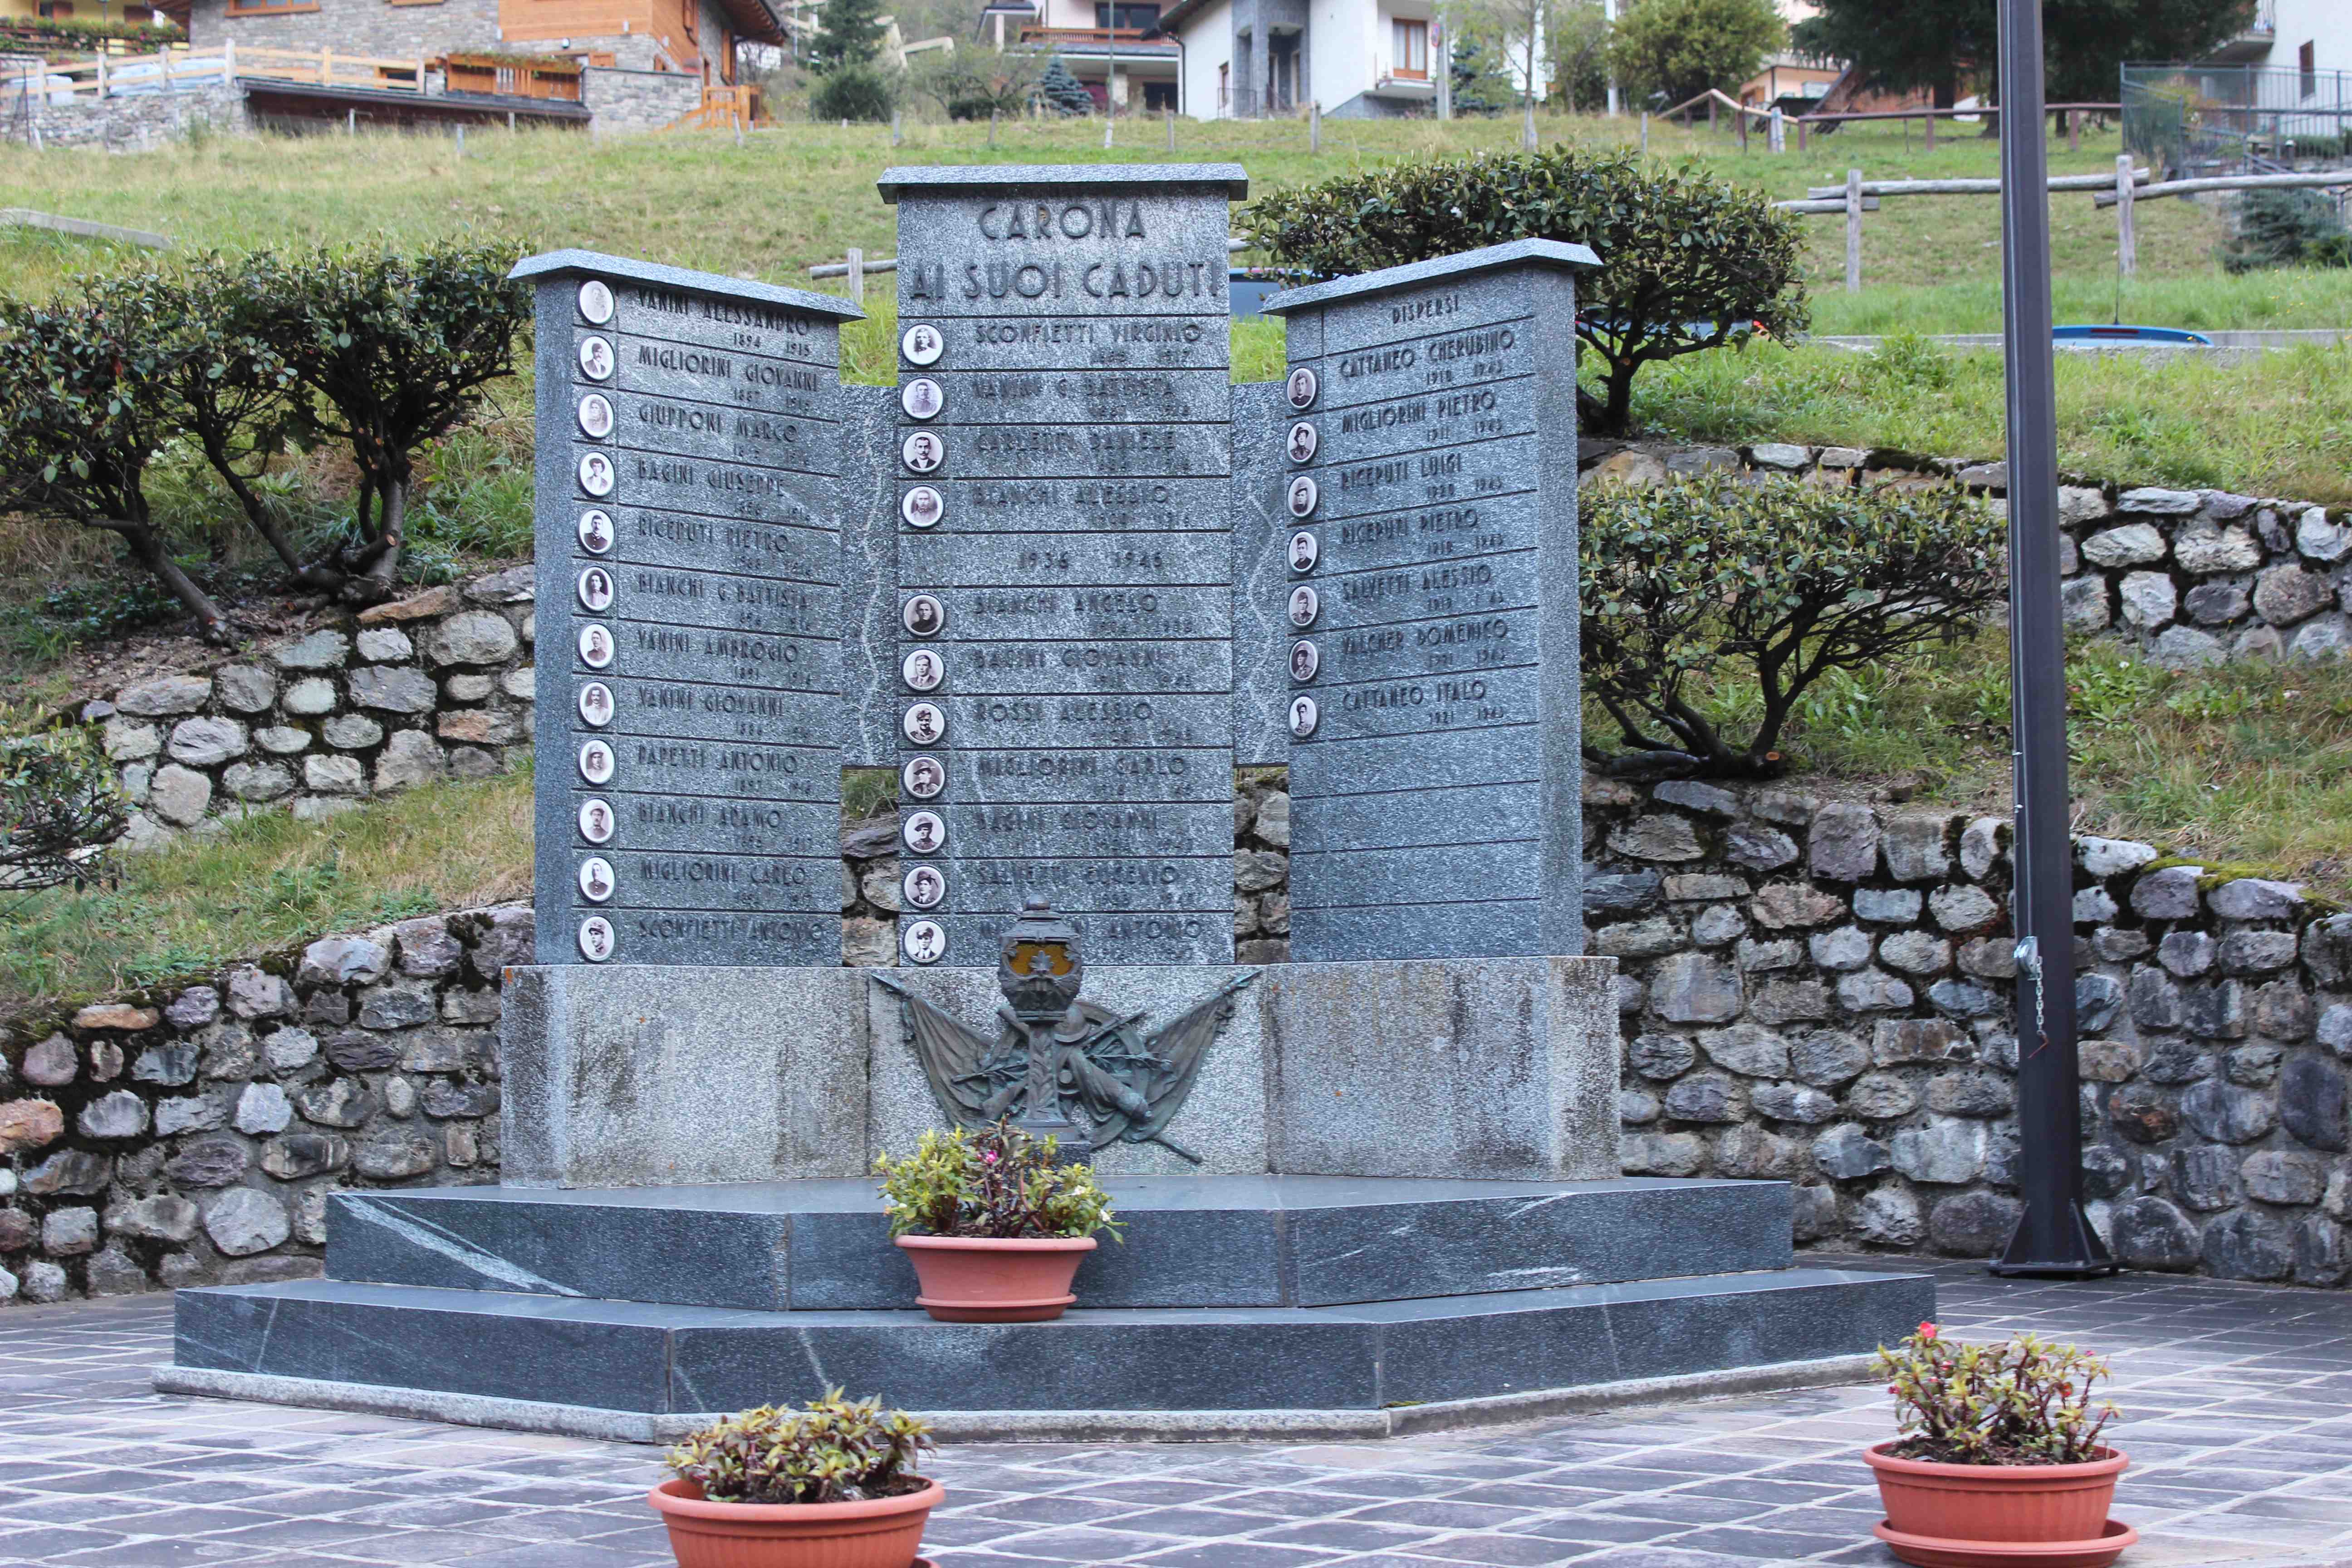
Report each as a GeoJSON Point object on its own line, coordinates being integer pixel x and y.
{"type": "Point", "coordinates": [833, 1451]}
{"type": "Point", "coordinates": [2027, 1402]}
{"type": "Point", "coordinates": [2286, 229]}
{"type": "Point", "coordinates": [1687, 261]}
{"type": "Point", "coordinates": [999, 1184]}
{"type": "Point", "coordinates": [1780, 581]}
{"type": "Point", "coordinates": [976, 84]}
{"type": "Point", "coordinates": [59, 806]}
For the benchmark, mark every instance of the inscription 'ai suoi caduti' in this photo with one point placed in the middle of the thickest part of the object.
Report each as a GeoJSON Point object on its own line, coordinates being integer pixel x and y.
{"type": "Point", "coordinates": [1161, 277]}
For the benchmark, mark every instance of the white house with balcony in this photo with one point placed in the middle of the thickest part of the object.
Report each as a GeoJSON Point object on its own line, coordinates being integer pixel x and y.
{"type": "Point", "coordinates": [1233, 59]}
{"type": "Point", "coordinates": [1361, 59]}
{"type": "Point", "coordinates": [2310, 37]}
{"type": "Point", "coordinates": [1116, 47]}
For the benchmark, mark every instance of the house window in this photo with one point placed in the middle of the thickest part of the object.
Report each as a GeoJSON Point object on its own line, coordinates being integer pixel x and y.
{"type": "Point", "coordinates": [56, 10]}
{"type": "Point", "coordinates": [269, 8]}
{"type": "Point", "coordinates": [1142, 18]}
{"type": "Point", "coordinates": [1411, 42]}
{"type": "Point", "coordinates": [2306, 61]}
{"type": "Point", "coordinates": [1160, 98]}
{"type": "Point", "coordinates": [1224, 88]}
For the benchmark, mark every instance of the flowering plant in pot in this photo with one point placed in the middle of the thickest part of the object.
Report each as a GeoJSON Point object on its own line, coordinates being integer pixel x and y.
{"type": "Point", "coordinates": [995, 1228]}
{"type": "Point", "coordinates": [831, 1486]}
{"type": "Point", "coordinates": [2001, 1460]}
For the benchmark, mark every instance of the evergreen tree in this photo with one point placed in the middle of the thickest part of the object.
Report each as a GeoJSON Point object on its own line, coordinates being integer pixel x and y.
{"type": "Point", "coordinates": [848, 33]}
{"type": "Point", "coordinates": [1479, 85]}
{"type": "Point", "coordinates": [1063, 93]}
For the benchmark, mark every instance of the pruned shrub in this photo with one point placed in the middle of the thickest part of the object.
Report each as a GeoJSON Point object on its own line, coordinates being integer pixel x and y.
{"type": "Point", "coordinates": [387, 352]}
{"type": "Point", "coordinates": [84, 410]}
{"type": "Point", "coordinates": [1687, 261]}
{"type": "Point", "coordinates": [1690, 587]}
{"type": "Point", "coordinates": [858, 92]}
{"type": "Point", "coordinates": [378, 352]}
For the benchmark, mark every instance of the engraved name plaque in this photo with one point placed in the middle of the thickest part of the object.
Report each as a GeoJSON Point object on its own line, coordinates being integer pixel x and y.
{"type": "Point", "coordinates": [689, 618]}
{"type": "Point", "coordinates": [1063, 564]}
{"type": "Point", "coordinates": [1428, 607]}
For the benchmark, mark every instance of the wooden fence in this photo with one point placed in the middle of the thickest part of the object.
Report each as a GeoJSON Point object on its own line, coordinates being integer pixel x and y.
{"type": "Point", "coordinates": [2121, 190]}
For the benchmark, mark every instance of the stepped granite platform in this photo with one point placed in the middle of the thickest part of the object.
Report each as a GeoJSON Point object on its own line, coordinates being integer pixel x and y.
{"type": "Point", "coordinates": [1237, 1305]}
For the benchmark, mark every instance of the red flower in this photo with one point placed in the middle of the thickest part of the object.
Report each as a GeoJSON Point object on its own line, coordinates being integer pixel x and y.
{"type": "Point", "coordinates": [1927, 1331]}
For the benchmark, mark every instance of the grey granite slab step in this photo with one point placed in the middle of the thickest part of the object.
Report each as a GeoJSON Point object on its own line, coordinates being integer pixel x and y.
{"type": "Point", "coordinates": [647, 1358]}
{"type": "Point", "coordinates": [1191, 1241]}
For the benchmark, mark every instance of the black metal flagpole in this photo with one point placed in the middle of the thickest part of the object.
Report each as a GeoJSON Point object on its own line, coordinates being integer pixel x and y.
{"type": "Point", "coordinates": [2053, 1236]}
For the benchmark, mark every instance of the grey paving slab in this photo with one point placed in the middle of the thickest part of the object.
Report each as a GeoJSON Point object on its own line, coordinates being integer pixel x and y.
{"type": "Point", "coordinates": [2238, 1376]}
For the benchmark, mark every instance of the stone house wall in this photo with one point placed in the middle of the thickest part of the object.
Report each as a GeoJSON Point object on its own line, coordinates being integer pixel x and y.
{"type": "Point", "coordinates": [361, 27]}
{"type": "Point", "coordinates": [2193, 577]}
{"type": "Point", "coordinates": [437, 685]}
{"type": "Point", "coordinates": [625, 100]}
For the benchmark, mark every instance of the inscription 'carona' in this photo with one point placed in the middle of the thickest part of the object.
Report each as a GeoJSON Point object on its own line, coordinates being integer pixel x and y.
{"type": "Point", "coordinates": [1072, 220]}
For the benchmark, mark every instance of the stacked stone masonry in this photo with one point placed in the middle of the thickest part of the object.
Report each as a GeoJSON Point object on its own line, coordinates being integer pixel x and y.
{"type": "Point", "coordinates": [190, 1136]}
{"type": "Point", "coordinates": [2193, 577]}
{"type": "Point", "coordinates": [1821, 992]}
{"type": "Point", "coordinates": [435, 686]}
{"type": "Point", "coordinates": [127, 122]}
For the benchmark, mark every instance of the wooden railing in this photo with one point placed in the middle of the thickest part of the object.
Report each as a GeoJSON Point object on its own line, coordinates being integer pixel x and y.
{"type": "Point", "coordinates": [177, 69]}
{"type": "Point", "coordinates": [1104, 37]}
{"type": "Point", "coordinates": [326, 68]}
{"type": "Point", "coordinates": [723, 108]}
{"type": "Point", "coordinates": [109, 75]}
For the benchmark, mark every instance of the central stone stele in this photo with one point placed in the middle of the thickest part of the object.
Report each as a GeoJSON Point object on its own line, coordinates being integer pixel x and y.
{"type": "Point", "coordinates": [1063, 579]}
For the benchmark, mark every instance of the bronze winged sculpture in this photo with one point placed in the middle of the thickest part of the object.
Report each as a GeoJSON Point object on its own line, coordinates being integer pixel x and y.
{"type": "Point", "coordinates": [1058, 1063]}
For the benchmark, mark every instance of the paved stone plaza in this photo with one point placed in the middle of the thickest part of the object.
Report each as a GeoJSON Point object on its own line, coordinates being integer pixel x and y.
{"type": "Point", "coordinates": [2239, 1400]}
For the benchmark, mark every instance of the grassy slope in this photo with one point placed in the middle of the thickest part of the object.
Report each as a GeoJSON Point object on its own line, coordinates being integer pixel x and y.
{"type": "Point", "coordinates": [264, 883]}
{"type": "Point", "coordinates": [800, 195]}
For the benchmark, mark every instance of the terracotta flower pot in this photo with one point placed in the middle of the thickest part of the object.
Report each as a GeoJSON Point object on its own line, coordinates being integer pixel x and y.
{"type": "Point", "coordinates": [976, 1279]}
{"type": "Point", "coordinates": [882, 1533]}
{"type": "Point", "coordinates": [1944, 1516]}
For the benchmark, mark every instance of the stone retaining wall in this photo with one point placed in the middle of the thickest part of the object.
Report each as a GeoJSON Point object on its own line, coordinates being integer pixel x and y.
{"type": "Point", "coordinates": [2193, 577]}
{"type": "Point", "coordinates": [127, 122]}
{"type": "Point", "coordinates": [189, 1137]}
{"type": "Point", "coordinates": [437, 685]}
{"type": "Point", "coordinates": [1821, 992]}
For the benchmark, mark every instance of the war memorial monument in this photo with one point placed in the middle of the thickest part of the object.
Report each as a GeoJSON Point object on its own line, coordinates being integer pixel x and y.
{"type": "Point", "coordinates": [1063, 578]}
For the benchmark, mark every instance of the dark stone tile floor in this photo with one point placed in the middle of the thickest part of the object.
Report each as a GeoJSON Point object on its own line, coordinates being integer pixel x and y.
{"type": "Point", "coordinates": [2238, 1403]}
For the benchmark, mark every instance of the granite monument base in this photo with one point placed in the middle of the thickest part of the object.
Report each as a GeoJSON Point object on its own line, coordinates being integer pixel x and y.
{"type": "Point", "coordinates": [1237, 1305]}
{"type": "Point", "coordinates": [641, 1075]}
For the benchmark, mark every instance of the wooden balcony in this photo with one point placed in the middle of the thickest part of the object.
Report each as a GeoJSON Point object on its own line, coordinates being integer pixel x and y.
{"type": "Point", "coordinates": [507, 75]}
